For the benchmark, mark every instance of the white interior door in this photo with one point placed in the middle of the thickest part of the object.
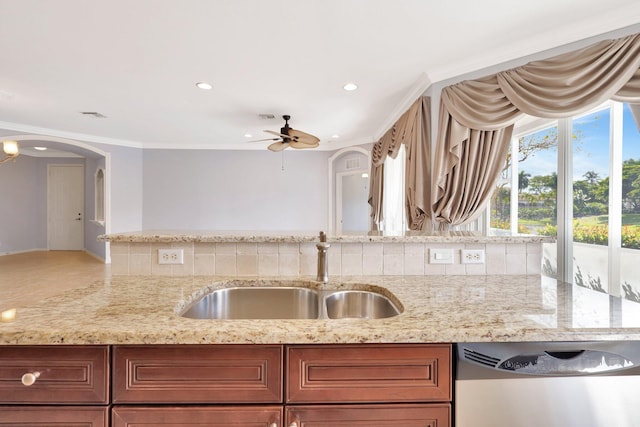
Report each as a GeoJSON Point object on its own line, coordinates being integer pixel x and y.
{"type": "Point", "coordinates": [65, 207]}
{"type": "Point", "coordinates": [352, 213]}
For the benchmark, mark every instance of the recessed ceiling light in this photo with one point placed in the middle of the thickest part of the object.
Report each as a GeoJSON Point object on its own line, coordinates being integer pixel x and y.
{"type": "Point", "coordinates": [247, 135]}
{"type": "Point", "coordinates": [335, 136]}
{"type": "Point", "coordinates": [40, 148]}
{"type": "Point", "coordinates": [350, 87]}
{"type": "Point", "coordinates": [204, 85]}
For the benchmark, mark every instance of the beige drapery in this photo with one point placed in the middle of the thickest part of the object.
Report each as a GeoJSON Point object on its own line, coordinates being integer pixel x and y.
{"type": "Point", "coordinates": [413, 130]}
{"type": "Point", "coordinates": [477, 117]}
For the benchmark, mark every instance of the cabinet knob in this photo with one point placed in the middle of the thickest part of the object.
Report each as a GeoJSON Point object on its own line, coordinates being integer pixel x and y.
{"type": "Point", "coordinates": [30, 378]}
{"type": "Point", "coordinates": [293, 424]}
{"type": "Point", "coordinates": [273, 425]}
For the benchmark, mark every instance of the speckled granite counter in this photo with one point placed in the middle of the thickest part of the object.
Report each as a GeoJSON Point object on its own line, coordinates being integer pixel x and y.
{"type": "Point", "coordinates": [177, 236]}
{"type": "Point", "coordinates": [142, 310]}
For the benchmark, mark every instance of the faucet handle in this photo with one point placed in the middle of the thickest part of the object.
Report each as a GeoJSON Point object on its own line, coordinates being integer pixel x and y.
{"type": "Point", "coordinates": [323, 236]}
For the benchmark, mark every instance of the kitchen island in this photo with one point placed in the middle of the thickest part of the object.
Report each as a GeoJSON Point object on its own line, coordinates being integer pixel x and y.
{"type": "Point", "coordinates": [435, 309]}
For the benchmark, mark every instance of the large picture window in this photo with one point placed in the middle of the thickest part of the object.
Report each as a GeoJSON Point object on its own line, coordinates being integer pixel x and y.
{"type": "Point", "coordinates": [599, 206]}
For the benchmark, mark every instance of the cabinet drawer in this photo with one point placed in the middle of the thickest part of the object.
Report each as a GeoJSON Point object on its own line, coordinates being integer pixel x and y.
{"type": "Point", "coordinates": [74, 374]}
{"type": "Point", "coordinates": [406, 415]}
{"type": "Point", "coordinates": [245, 416]}
{"type": "Point", "coordinates": [197, 374]}
{"type": "Point", "coordinates": [369, 373]}
{"type": "Point", "coordinates": [47, 416]}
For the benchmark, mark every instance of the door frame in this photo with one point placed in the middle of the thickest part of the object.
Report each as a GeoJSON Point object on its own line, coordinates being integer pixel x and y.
{"type": "Point", "coordinates": [107, 170]}
{"type": "Point", "coordinates": [331, 187]}
{"type": "Point", "coordinates": [50, 166]}
{"type": "Point", "coordinates": [338, 212]}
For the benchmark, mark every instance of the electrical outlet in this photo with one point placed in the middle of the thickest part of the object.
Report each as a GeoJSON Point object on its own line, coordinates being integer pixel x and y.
{"type": "Point", "coordinates": [440, 256]}
{"type": "Point", "coordinates": [472, 256]}
{"type": "Point", "coordinates": [170, 256]}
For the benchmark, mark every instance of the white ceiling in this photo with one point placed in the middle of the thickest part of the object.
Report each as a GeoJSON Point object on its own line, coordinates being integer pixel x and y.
{"type": "Point", "coordinates": [137, 62]}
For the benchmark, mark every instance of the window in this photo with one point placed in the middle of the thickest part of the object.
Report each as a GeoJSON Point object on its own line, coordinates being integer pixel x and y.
{"type": "Point", "coordinates": [394, 214]}
{"type": "Point", "coordinates": [579, 179]}
{"type": "Point", "coordinates": [99, 194]}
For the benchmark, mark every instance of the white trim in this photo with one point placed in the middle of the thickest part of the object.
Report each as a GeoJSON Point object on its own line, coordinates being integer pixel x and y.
{"type": "Point", "coordinates": [615, 197]}
{"type": "Point", "coordinates": [96, 256]}
{"type": "Point", "coordinates": [331, 219]}
{"type": "Point", "coordinates": [415, 91]}
{"type": "Point", "coordinates": [24, 251]}
{"type": "Point", "coordinates": [98, 199]}
{"type": "Point", "coordinates": [45, 134]}
{"type": "Point", "coordinates": [49, 204]}
{"type": "Point", "coordinates": [338, 212]}
{"type": "Point", "coordinates": [565, 201]}
{"type": "Point", "coordinates": [107, 169]}
{"type": "Point", "coordinates": [514, 219]}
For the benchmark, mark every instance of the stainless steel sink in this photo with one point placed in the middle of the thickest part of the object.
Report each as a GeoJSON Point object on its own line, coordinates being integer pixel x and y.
{"type": "Point", "coordinates": [256, 303]}
{"type": "Point", "coordinates": [289, 302]}
{"type": "Point", "coordinates": [359, 305]}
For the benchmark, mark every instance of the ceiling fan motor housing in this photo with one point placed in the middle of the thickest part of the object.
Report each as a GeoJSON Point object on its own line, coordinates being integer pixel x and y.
{"type": "Point", "coordinates": [285, 130]}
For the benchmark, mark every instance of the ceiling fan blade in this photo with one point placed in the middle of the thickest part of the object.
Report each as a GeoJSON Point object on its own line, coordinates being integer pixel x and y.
{"type": "Point", "coordinates": [277, 133]}
{"type": "Point", "coordinates": [303, 145]}
{"type": "Point", "coordinates": [266, 139]}
{"type": "Point", "coordinates": [278, 146]}
{"type": "Point", "coordinates": [303, 137]}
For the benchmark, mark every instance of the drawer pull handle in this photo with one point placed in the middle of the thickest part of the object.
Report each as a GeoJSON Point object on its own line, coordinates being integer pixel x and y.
{"type": "Point", "coordinates": [30, 378]}
{"type": "Point", "coordinates": [273, 425]}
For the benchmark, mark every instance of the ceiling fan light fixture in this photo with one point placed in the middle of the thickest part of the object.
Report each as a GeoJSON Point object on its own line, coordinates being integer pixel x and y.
{"type": "Point", "coordinates": [204, 86]}
{"type": "Point", "coordinates": [350, 87]}
{"type": "Point", "coordinates": [10, 148]}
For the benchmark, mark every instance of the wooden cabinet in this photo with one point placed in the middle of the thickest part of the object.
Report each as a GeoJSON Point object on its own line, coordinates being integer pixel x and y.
{"type": "Point", "coordinates": [61, 376]}
{"type": "Point", "coordinates": [193, 374]}
{"type": "Point", "coordinates": [369, 373]}
{"type": "Point", "coordinates": [321, 376]}
{"type": "Point", "coordinates": [245, 416]}
{"type": "Point", "coordinates": [406, 415]}
{"type": "Point", "coordinates": [47, 416]}
{"type": "Point", "coordinates": [227, 385]}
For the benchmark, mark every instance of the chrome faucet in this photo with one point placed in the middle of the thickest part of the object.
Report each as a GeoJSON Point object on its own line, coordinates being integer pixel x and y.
{"type": "Point", "coordinates": [323, 259]}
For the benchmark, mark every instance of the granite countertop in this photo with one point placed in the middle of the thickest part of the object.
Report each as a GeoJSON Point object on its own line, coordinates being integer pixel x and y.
{"type": "Point", "coordinates": [199, 236]}
{"type": "Point", "coordinates": [143, 310]}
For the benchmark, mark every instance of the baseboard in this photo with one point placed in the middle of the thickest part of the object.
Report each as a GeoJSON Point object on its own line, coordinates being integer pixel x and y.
{"type": "Point", "coordinates": [24, 252]}
{"type": "Point", "coordinates": [96, 256]}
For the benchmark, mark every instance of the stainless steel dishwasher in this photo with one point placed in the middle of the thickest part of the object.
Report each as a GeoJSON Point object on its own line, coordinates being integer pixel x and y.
{"type": "Point", "coordinates": [548, 384]}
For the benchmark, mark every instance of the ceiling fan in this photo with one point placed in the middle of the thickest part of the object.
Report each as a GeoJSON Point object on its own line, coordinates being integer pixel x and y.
{"type": "Point", "coordinates": [289, 137]}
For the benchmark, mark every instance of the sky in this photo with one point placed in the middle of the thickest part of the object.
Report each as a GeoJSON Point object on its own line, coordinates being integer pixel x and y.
{"type": "Point", "coordinates": [592, 153]}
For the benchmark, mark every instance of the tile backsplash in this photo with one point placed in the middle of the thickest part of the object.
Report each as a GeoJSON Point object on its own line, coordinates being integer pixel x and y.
{"type": "Point", "coordinates": [300, 259]}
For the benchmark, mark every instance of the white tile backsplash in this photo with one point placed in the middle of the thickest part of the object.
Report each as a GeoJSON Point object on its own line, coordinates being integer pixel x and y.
{"type": "Point", "coordinates": [300, 259]}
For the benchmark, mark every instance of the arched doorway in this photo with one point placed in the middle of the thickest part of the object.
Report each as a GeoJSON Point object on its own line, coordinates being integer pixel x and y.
{"type": "Point", "coordinates": [28, 180]}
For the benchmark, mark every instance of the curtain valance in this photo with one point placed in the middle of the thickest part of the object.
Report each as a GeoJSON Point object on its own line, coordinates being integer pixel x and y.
{"type": "Point", "coordinates": [413, 130]}
{"type": "Point", "coordinates": [477, 117]}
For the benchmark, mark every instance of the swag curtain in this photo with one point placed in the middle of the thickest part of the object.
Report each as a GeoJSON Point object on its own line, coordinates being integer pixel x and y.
{"type": "Point", "coordinates": [413, 130]}
{"type": "Point", "coordinates": [476, 117]}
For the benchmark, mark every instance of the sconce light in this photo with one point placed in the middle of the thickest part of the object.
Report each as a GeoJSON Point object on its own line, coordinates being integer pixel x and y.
{"type": "Point", "coordinates": [10, 148]}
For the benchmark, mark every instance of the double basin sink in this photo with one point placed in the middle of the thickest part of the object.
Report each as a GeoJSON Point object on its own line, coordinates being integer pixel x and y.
{"type": "Point", "coordinates": [289, 302]}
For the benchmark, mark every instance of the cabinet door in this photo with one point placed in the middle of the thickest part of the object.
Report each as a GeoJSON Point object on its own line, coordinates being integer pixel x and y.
{"type": "Point", "coordinates": [406, 415]}
{"type": "Point", "coordinates": [246, 416]}
{"type": "Point", "coordinates": [197, 374]}
{"type": "Point", "coordinates": [369, 373]}
{"type": "Point", "coordinates": [62, 374]}
{"type": "Point", "coordinates": [47, 416]}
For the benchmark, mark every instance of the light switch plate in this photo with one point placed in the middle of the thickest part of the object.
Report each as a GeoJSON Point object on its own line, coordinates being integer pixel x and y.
{"type": "Point", "coordinates": [440, 256]}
